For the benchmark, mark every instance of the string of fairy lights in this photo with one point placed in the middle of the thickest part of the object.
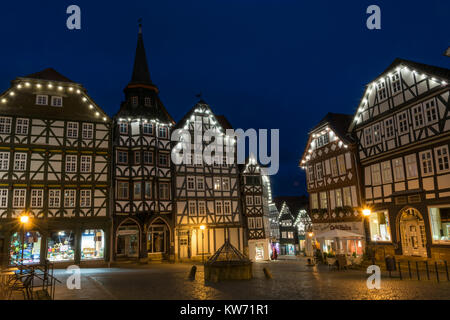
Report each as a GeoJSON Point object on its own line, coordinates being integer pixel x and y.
{"type": "Point", "coordinates": [365, 100]}
{"type": "Point", "coordinates": [45, 87]}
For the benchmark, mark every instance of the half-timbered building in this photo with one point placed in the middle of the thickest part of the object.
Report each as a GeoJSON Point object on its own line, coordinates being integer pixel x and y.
{"type": "Point", "coordinates": [54, 168]}
{"type": "Point", "coordinates": [142, 173]}
{"type": "Point", "coordinates": [207, 191]}
{"type": "Point", "coordinates": [256, 197]}
{"type": "Point", "coordinates": [334, 184]}
{"type": "Point", "coordinates": [402, 129]}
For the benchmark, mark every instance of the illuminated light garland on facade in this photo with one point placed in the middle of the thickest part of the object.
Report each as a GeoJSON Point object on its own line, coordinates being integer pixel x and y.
{"type": "Point", "coordinates": [364, 101]}
{"type": "Point", "coordinates": [59, 88]}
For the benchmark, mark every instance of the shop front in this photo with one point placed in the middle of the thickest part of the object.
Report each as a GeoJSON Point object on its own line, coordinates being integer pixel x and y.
{"type": "Point", "coordinates": [127, 241]}
{"type": "Point", "coordinates": [340, 238]}
{"type": "Point", "coordinates": [31, 247]}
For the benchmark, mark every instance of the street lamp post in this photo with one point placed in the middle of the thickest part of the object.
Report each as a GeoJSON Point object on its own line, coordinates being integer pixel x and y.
{"type": "Point", "coordinates": [24, 219]}
{"type": "Point", "coordinates": [202, 227]}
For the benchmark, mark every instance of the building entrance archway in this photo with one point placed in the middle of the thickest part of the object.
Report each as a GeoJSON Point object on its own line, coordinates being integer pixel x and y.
{"type": "Point", "coordinates": [412, 233]}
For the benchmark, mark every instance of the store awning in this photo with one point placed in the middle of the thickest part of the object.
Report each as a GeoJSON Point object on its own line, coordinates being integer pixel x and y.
{"type": "Point", "coordinates": [336, 233]}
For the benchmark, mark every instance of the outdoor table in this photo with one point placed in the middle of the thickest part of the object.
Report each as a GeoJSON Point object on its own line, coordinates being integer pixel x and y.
{"type": "Point", "coordinates": [5, 277]}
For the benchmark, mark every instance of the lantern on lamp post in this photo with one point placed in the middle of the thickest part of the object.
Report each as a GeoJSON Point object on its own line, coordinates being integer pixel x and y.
{"type": "Point", "coordinates": [23, 219]}
{"type": "Point", "coordinates": [202, 227]}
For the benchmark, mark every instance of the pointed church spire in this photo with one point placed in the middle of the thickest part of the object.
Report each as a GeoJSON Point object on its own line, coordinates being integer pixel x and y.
{"type": "Point", "coordinates": [140, 70]}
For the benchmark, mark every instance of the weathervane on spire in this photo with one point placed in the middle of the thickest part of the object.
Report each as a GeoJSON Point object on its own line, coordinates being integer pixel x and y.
{"type": "Point", "coordinates": [199, 95]}
{"type": "Point", "coordinates": [140, 25]}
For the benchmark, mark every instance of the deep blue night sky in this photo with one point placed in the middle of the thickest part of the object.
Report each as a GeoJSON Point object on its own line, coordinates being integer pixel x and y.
{"type": "Point", "coordinates": [263, 64]}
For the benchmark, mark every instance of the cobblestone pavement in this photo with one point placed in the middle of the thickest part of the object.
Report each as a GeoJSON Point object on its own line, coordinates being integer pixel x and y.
{"type": "Point", "coordinates": [292, 279]}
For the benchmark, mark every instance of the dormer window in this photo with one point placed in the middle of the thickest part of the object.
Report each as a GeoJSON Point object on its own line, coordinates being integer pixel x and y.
{"type": "Point", "coordinates": [123, 128]}
{"type": "Point", "coordinates": [323, 140]}
{"type": "Point", "coordinates": [41, 100]}
{"type": "Point", "coordinates": [148, 101]}
{"type": "Point", "coordinates": [381, 90]}
{"type": "Point", "coordinates": [395, 79]}
{"type": "Point", "coordinates": [57, 101]}
{"type": "Point", "coordinates": [134, 100]}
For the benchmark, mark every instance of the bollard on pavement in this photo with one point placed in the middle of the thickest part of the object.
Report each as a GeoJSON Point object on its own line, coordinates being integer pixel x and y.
{"type": "Point", "coordinates": [192, 273]}
{"type": "Point", "coordinates": [267, 273]}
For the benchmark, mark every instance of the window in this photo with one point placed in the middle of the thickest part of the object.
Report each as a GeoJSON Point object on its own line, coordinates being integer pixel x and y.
{"type": "Point", "coordinates": [249, 200]}
{"type": "Point", "coordinates": [134, 100]}
{"type": "Point", "coordinates": [323, 140]}
{"type": "Point", "coordinates": [71, 163]}
{"type": "Point", "coordinates": [368, 136]}
{"type": "Point", "coordinates": [92, 244]}
{"type": "Point", "coordinates": [323, 200]}
{"type": "Point", "coordinates": [61, 246]}
{"type": "Point", "coordinates": [417, 116]}
{"type": "Point", "coordinates": [396, 85]}
{"type": "Point", "coordinates": [137, 190]}
{"type": "Point", "coordinates": [381, 90]}
{"type": "Point", "coordinates": [37, 196]}
{"type": "Point", "coordinates": [376, 175]}
{"type": "Point", "coordinates": [31, 254]}
{"type": "Point", "coordinates": [69, 198]}
{"type": "Point", "coordinates": [319, 171]}
{"type": "Point", "coordinates": [376, 133]}
{"type": "Point", "coordinates": [4, 160]}
{"type": "Point", "coordinates": [200, 183]}
{"type": "Point", "coordinates": [72, 130]}
{"type": "Point", "coordinates": [257, 200]}
{"type": "Point", "coordinates": [164, 191]}
{"type": "Point", "coordinates": [22, 126]}
{"type": "Point", "coordinates": [19, 198]}
{"type": "Point", "coordinates": [426, 162]}
{"type": "Point", "coordinates": [217, 184]}
{"type": "Point", "coordinates": [148, 157]}
{"type": "Point", "coordinates": [162, 132]}
{"type": "Point", "coordinates": [192, 208]}
{"type": "Point", "coordinates": [398, 169]}
{"type": "Point", "coordinates": [440, 224]}
{"type": "Point", "coordinates": [147, 128]}
{"type": "Point", "coordinates": [402, 122]}
{"type": "Point", "coordinates": [314, 201]}
{"type": "Point", "coordinates": [334, 167]}
{"type": "Point", "coordinates": [411, 166]}
{"type": "Point", "coordinates": [341, 164]}
{"type": "Point", "coordinates": [122, 157]}
{"type": "Point", "coordinates": [86, 164]}
{"type": "Point", "coordinates": [190, 183]}
{"type": "Point", "coordinates": [54, 198]}
{"type": "Point", "coordinates": [201, 208]}
{"type": "Point", "coordinates": [338, 193]}
{"type": "Point", "coordinates": [347, 197]}
{"type": "Point", "coordinates": [386, 171]}
{"type": "Point", "coordinates": [311, 173]}
{"type": "Point", "coordinates": [226, 184]}
{"type": "Point", "coordinates": [5, 125]}
{"type": "Point", "coordinates": [251, 224]}
{"type": "Point", "coordinates": [441, 158]}
{"type": "Point", "coordinates": [3, 198]}
{"type": "Point", "coordinates": [123, 128]}
{"type": "Point", "coordinates": [57, 101]}
{"type": "Point", "coordinates": [219, 208]}
{"type": "Point", "coordinates": [122, 190]}
{"type": "Point", "coordinates": [163, 159]}
{"type": "Point", "coordinates": [379, 226]}
{"type": "Point", "coordinates": [198, 159]}
{"type": "Point", "coordinates": [430, 111]}
{"type": "Point", "coordinates": [217, 161]}
{"type": "Point", "coordinates": [148, 190]}
{"type": "Point", "coordinates": [87, 131]}
{"type": "Point", "coordinates": [41, 100]}
{"type": "Point", "coordinates": [20, 161]}
{"type": "Point", "coordinates": [137, 157]}
{"type": "Point", "coordinates": [389, 128]}
{"type": "Point", "coordinates": [85, 198]}
{"type": "Point", "coordinates": [147, 101]}
{"type": "Point", "coordinates": [227, 207]}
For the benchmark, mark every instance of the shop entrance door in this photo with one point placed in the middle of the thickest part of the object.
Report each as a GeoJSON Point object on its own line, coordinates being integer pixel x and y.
{"type": "Point", "coordinates": [127, 243]}
{"type": "Point", "coordinates": [412, 229]}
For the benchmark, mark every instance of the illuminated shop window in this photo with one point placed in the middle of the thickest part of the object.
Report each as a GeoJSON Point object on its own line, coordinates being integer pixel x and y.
{"type": "Point", "coordinates": [32, 247]}
{"type": "Point", "coordinates": [61, 246]}
{"type": "Point", "coordinates": [440, 224]}
{"type": "Point", "coordinates": [379, 226]}
{"type": "Point", "coordinates": [92, 244]}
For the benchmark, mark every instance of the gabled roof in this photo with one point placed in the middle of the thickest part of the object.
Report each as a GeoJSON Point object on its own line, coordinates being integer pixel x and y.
{"type": "Point", "coordinates": [222, 120]}
{"type": "Point", "coordinates": [339, 122]}
{"type": "Point", "coordinates": [294, 203]}
{"type": "Point", "coordinates": [48, 74]}
{"type": "Point", "coordinates": [443, 75]}
{"type": "Point", "coordinates": [141, 111]}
